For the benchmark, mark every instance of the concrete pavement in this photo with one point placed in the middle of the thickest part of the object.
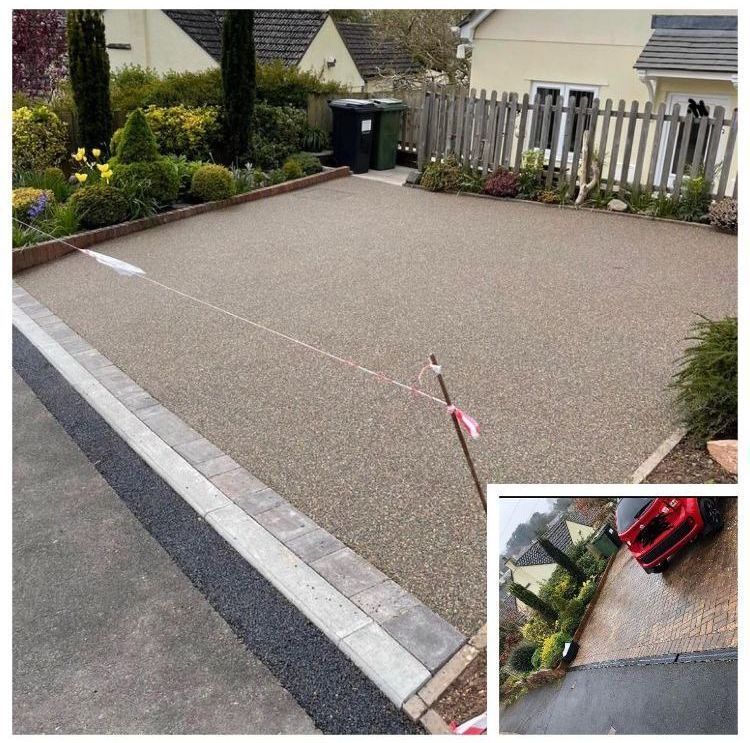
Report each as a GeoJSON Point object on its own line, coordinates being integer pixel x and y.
{"type": "Point", "coordinates": [557, 331]}
{"type": "Point", "coordinates": [109, 636]}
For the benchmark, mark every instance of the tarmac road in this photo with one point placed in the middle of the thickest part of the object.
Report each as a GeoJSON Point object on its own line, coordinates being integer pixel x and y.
{"type": "Point", "coordinates": [557, 331]}
{"type": "Point", "coordinates": [678, 698]}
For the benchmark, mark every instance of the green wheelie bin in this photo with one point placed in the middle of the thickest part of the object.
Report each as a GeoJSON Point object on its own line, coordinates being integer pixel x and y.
{"type": "Point", "coordinates": [387, 127]}
{"type": "Point", "coordinates": [605, 542]}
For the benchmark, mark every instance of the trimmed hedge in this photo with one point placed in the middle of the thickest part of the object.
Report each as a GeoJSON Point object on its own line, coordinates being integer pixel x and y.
{"type": "Point", "coordinates": [100, 205]}
{"type": "Point", "coordinates": [212, 183]}
{"type": "Point", "coordinates": [39, 138]}
{"type": "Point", "coordinates": [137, 143]}
{"type": "Point", "coordinates": [161, 177]}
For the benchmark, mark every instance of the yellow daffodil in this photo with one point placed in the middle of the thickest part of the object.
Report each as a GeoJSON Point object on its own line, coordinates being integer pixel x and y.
{"type": "Point", "coordinates": [107, 174]}
{"type": "Point", "coordinates": [81, 177]}
{"type": "Point", "coordinates": [80, 154]}
{"type": "Point", "coordinates": [103, 168]}
{"type": "Point", "coordinates": [96, 152]}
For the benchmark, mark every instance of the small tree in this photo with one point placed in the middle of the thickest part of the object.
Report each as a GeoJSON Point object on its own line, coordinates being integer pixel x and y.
{"type": "Point", "coordinates": [39, 51]}
{"type": "Point", "coordinates": [89, 77]}
{"type": "Point", "coordinates": [533, 601]}
{"type": "Point", "coordinates": [238, 81]}
{"type": "Point", "coordinates": [562, 560]}
{"type": "Point", "coordinates": [137, 143]}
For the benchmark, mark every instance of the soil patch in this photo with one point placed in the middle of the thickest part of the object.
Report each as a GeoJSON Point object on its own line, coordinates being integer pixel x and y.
{"type": "Point", "coordinates": [690, 463]}
{"type": "Point", "coordinates": [467, 697]}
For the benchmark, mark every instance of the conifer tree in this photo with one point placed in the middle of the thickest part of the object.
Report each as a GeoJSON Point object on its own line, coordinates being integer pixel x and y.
{"type": "Point", "coordinates": [565, 562]}
{"type": "Point", "coordinates": [533, 601]}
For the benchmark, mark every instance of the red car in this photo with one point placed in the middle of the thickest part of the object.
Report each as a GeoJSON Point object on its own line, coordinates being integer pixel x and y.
{"type": "Point", "coordinates": [655, 529]}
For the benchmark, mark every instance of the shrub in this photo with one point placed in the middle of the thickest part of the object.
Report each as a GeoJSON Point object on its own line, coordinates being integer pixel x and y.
{"type": "Point", "coordinates": [502, 183]}
{"type": "Point", "coordinates": [520, 657]}
{"type": "Point", "coordinates": [30, 203]}
{"type": "Point", "coordinates": [558, 589]}
{"type": "Point", "coordinates": [530, 176]}
{"type": "Point", "coordinates": [274, 177]}
{"type": "Point", "coordinates": [309, 163]}
{"type": "Point", "coordinates": [591, 565]}
{"type": "Point", "coordinates": [137, 143]}
{"type": "Point", "coordinates": [549, 197]}
{"type": "Point", "coordinates": [99, 206]}
{"type": "Point", "coordinates": [292, 169]}
{"type": "Point", "coordinates": [537, 629]}
{"type": "Point", "coordinates": [159, 179]}
{"type": "Point", "coordinates": [131, 87]}
{"type": "Point", "coordinates": [315, 139]}
{"type": "Point", "coordinates": [571, 616]}
{"type": "Point", "coordinates": [694, 198]}
{"type": "Point", "coordinates": [190, 132]}
{"type": "Point", "coordinates": [212, 183]}
{"type": "Point", "coordinates": [61, 220]}
{"type": "Point", "coordinates": [723, 215]}
{"type": "Point", "coordinates": [277, 132]}
{"type": "Point", "coordinates": [285, 85]}
{"type": "Point", "coordinates": [536, 659]}
{"type": "Point", "coordinates": [39, 138]}
{"type": "Point", "coordinates": [587, 591]}
{"type": "Point", "coordinates": [185, 170]}
{"type": "Point", "coordinates": [442, 176]}
{"type": "Point", "coordinates": [51, 179]}
{"type": "Point", "coordinates": [552, 650]}
{"type": "Point", "coordinates": [706, 381]}
{"type": "Point", "coordinates": [472, 181]}
{"type": "Point", "coordinates": [539, 605]}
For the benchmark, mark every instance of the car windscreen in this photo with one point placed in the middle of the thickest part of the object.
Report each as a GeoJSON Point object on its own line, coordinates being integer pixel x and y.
{"type": "Point", "coordinates": [628, 510]}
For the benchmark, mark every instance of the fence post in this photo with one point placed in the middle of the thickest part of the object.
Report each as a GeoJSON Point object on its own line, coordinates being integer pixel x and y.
{"type": "Point", "coordinates": [422, 135]}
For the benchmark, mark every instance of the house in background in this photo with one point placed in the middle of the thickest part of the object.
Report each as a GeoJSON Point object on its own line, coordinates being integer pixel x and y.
{"type": "Point", "coordinates": [311, 40]}
{"type": "Point", "coordinates": [534, 566]}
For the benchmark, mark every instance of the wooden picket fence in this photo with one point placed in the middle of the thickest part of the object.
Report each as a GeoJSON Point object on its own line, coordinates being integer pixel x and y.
{"type": "Point", "coordinates": [641, 149]}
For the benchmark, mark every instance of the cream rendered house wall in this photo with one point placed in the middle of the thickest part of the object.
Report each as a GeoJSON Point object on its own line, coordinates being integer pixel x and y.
{"type": "Point", "coordinates": [514, 48]}
{"type": "Point", "coordinates": [157, 42]}
{"type": "Point", "coordinates": [532, 576]}
{"type": "Point", "coordinates": [328, 43]}
{"type": "Point", "coordinates": [578, 532]}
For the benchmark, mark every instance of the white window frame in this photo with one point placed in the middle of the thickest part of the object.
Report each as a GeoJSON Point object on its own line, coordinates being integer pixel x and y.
{"type": "Point", "coordinates": [682, 98]}
{"type": "Point", "coordinates": [564, 89]}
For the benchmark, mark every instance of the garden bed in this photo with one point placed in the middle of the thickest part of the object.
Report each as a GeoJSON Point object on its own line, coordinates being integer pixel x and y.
{"type": "Point", "coordinates": [691, 464]}
{"type": "Point", "coordinates": [49, 250]}
{"type": "Point", "coordinates": [467, 697]}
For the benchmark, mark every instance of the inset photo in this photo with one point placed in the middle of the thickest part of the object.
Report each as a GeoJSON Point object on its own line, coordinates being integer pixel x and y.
{"type": "Point", "coordinates": [616, 613]}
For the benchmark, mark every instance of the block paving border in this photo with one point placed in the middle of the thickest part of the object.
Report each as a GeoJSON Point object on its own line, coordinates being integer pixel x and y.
{"type": "Point", "coordinates": [397, 641]}
{"type": "Point", "coordinates": [49, 250]}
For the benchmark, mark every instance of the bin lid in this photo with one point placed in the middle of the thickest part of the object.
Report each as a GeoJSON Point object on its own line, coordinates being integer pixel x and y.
{"type": "Point", "coordinates": [358, 104]}
{"type": "Point", "coordinates": [389, 104]}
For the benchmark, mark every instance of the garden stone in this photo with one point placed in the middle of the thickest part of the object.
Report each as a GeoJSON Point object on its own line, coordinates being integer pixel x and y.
{"type": "Point", "coordinates": [616, 205]}
{"type": "Point", "coordinates": [724, 453]}
{"type": "Point", "coordinates": [413, 176]}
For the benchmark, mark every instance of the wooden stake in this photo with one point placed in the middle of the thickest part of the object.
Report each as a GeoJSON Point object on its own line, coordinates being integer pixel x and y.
{"type": "Point", "coordinates": [461, 437]}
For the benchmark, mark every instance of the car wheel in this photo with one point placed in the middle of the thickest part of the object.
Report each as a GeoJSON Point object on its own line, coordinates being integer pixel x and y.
{"type": "Point", "coordinates": [713, 519]}
{"type": "Point", "coordinates": [660, 568]}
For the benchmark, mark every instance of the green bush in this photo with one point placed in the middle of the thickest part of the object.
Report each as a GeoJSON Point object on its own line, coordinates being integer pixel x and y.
{"type": "Point", "coordinates": [530, 176]}
{"type": "Point", "coordinates": [179, 130]}
{"type": "Point", "coordinates": [695, 198]}
{"type": "Point", "coordinates": [315, 139]}
{"type": "Point", "coordinates": [552, 650]}
{"type": "Point", "coordinates": [536, 659]}
{"type": "Point", "coordinates": [39, 139]}
{"type": "Point", "coordinates": [591, 565]}
{"type": "Point", "coordinates": [309, 163]}
{"type": "Point", "coordinates": [159, 178]}
{"type": "Point", "coordinates": [185, 170]}
{"type": "Point", "coordinates": [274, 177]}
{"type": "Point", "coordinates": [723, 215]}
{"type": "Point", "coordinates": [212, 183]}
{"type": "Point", "coordinates": [292, 169]}
{"type": "Point", "coordinates": [472, 180]}
{"type": "Point", "coordinates": [99, 206]}
{"type": "Point", "coordinates": [537, 629]}
{"type": "Point", "coordinates": [571, 615]}
{"type": "Point", "coordinates": [520, 657]}
{"type": "Point", "coordinates": [131, 86]}
{"type": "Point", "coordinates": [587, 591]}
{"type": "Point", "coordinates": [284, 85]}
{"type": "Point", "coordinates": [30, 203]}
{"type": "Point", "coordinates": [558, 589]}
{"type": "Point", "coordinates": [442, 176]}
{"type": "Point", "coordinates": [51, 179]}
{"type": "Point", "coordinates": [706, 381]}
{"type": "Point", "coordinates": [137, 143]}
{"type": "Point", "coordinates": [277, 132]}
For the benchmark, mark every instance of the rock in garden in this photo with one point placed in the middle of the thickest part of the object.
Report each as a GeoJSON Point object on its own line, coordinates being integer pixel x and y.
{"type": "Point", "coordinates": [616, 205]}
{"type": "Point", "coordinates": [724, 453]}
{"type": "Point", "coordinates": [413, 176]}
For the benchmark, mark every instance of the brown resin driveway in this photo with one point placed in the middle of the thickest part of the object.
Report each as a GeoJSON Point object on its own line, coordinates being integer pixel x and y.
{"type": "Point", "coordinates": [690, 607]}
{"type": "Point", "coordinates": [557, 330]}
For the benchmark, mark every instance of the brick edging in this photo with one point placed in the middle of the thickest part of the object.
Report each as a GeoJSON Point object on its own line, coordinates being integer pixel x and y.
{"type": "Point", "coordinates": [49, 250]}
{"type": "Point", "coordinates": [590, 608]}
{"type": "Point", "coordinates": [420, 707]}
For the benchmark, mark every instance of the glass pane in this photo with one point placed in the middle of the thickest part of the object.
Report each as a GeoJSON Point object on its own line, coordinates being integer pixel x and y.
{"type": "Point", "coordinates": [699, 109]}
{"type": "Point", "coordinates": [578, 96]}
{"type": "Point", "coordinates": [536, 137]}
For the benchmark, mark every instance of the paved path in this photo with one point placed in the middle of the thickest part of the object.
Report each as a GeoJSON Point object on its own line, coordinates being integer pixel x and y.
{"type": "Point", "coordinates": [557, 331]}
{"type": "Point", "coordinates": [690, 607]}
{"type": "Point", "coordinates": [108, 635]}
{"type": "Point", "coordinates": [680, 698]}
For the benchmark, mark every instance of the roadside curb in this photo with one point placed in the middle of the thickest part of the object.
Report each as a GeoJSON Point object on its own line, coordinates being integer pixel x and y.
{"type": "Point", "coordinates": [396, 641]}
{"type": "Point", "coordinates": [50, 250]}
{"type": "Point", "coordinates": [420, 706]}
{"type": "Point", "coordinates": [656, 457]}
{"type": "Point", "coordinates": [699, 656]}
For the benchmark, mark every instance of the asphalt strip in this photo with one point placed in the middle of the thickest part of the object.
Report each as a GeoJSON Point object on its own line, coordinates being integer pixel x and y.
{"type": "Point", "coordinates": [327, 685]}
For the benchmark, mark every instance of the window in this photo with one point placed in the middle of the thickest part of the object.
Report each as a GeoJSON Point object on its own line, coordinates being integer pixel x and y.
{"type": "Point", "coordinates": [578, 93]}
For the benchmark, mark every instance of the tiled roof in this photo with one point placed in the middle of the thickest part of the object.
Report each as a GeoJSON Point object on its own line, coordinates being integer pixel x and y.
{"type": "Point", "coordinates": [279, 34]}
{"type": "Point", "coordinates": [509, 611]}
{"type": "Point", "coordinates": [691, 43]}
{"type": "Point", "coordinates": [557, 533]}
{"type": "Point", "coordinates": [374, 56]}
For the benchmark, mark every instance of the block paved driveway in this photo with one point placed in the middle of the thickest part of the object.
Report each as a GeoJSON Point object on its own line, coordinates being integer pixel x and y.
{"type": "Point", "coordinates": [690, 607]}
{"type": "Point", "coordinates": [557, 331]}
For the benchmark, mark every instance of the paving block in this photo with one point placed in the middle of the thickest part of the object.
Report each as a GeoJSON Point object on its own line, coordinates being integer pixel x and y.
{"type": "Point", "coordinates": [47, 320]}
{"type": "Point", "coordinates": [394, 670]}
{"type": "Point", "coordinates": [199, 450]}
{"type": "Point", "coordinates": [348, 572]}
{"type": "Point", "coordinates": [138, 400]}
{"type": "Point", "coordinates": [91, 359]}
{"type": "Point", "coordinates": [434, 724]}
{"type": "Point", "coordinates": [24, 300]}
{"type": "Point", "coordinates": [37, 311]}
{"type": "Point", "coordinates": [314, 545]}
{"type": "Point", "coordinates": [217, 466]}
{"type": "Point", "coordinates": [238, 482]}
{"type": "Point", "coordinates": [259, 501]}
{"type": "Point", "coordinates": [60, 331]}
{"type": "Point", "coordinates": [424, 634]}
{"type": "Point", "coordinates": [167, 426]}
{"type": "Point", "coordinates": [285, 522]}
{"type": "Point", "coordinates": [117, 382]}
{"type": "Point", "coordinates": [440, 682]}
{"type": "Point", "coordinates": [75, 345]}
{"type": "Point", "coordinates": [384, 601]}
{"type": "Point", "coordinates": [415, 707]}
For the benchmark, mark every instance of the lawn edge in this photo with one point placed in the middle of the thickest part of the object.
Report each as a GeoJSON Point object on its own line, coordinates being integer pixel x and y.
{"type": "Point", "coordinates": [50, 250]}
{"type": "Point", "coordinates": [657, 456]}
{"type": "Point", "coordinates": [386, 661]}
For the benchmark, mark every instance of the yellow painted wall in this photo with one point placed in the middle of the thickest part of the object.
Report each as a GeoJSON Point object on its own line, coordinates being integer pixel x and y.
{"type": "Point", "coordinates": [514, 48]}
{"type": "Point", "coordinates": [157, 42]}
{"type": "Point", "coordinates": [328, 43]}
{"type": "Point", "coordinates": [532, 576]}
